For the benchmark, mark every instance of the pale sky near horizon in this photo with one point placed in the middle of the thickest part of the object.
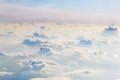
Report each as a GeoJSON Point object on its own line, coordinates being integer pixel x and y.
{"type": "Point", "coordinates": [83, 11]}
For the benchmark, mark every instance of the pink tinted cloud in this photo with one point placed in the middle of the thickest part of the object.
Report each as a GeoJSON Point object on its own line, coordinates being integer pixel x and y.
{"type": "Point", "coordinates": [24, 13]}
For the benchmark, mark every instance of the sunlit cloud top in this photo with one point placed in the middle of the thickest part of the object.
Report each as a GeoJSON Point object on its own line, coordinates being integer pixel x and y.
{"type": "Point", "coordinates": [83, 11]}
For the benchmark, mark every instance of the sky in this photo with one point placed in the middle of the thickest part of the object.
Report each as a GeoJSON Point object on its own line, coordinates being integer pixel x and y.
{"type": "Point", "coordinates": [82, 11]}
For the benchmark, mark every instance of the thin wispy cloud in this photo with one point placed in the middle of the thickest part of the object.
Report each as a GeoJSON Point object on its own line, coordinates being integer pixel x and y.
{"type": "Point", "coordinates": [68, 11]}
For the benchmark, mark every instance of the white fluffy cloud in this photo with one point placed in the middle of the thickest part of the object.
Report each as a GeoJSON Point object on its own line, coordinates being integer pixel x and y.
{"type": "Point", "coordinates": [68, 61]}
{"type": "Point", "coordinates": [5, 73]}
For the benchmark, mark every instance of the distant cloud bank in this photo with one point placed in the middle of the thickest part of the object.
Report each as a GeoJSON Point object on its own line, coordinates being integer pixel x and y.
{"type": "Point", "coordinates": [50, 13]}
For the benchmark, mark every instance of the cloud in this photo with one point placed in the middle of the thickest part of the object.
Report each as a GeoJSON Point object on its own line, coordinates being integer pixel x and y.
{"type": "Point", "coordinates": [117, 79]}
{"type": "Point", "coordinates": [24, 13]}
{"type": "Point", "coordinates": [18, 54]}
{"type": "Point", "coordinates": [52, 78]}
{"type": "Point", "coordinates": [36, 68]}
{"type": "Point", "coordinates": [5, 73]}
{"type": "Point", "coordinates": [48, 13]}
{"type": "Point", "coordinates": [78, 72]}
{"type": "Point", "coordinates": [45, 66]}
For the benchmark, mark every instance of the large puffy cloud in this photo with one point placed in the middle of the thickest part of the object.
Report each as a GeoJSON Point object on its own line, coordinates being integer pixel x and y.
{"type": "Point", "coordinates": [36, 68]}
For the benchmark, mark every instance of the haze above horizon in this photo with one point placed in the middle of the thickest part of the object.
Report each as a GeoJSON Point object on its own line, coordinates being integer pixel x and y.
{"type": "Point", "coordinates": [83, 11]}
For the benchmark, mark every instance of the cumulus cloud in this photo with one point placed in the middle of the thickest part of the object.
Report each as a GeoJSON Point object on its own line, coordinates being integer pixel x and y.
{"type": "Point", "coordinates": [67, 60]}
{"type": "Point", "coordinates": [111, 31]}
{"type": "Point", "coordinates": [36, 68]}
{"type": "Point", "coordinates": [45, 66]}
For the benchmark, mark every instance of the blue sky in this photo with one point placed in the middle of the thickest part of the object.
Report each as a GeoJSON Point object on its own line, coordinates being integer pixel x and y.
{"type": "Point", "coordinates": [103, 11]}
{"type": "Point", "coordinates": [90, 5]}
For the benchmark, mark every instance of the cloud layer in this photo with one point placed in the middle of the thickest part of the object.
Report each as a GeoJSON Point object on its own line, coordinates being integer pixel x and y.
{"type": "Point", "coordinates": [47, 13]}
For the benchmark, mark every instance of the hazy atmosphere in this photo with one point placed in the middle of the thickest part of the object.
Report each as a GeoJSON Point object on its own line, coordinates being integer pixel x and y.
{"type": "Point", "coordinates": [83, 11]}
{"type": "Point", "coordinates": [59, 40]}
